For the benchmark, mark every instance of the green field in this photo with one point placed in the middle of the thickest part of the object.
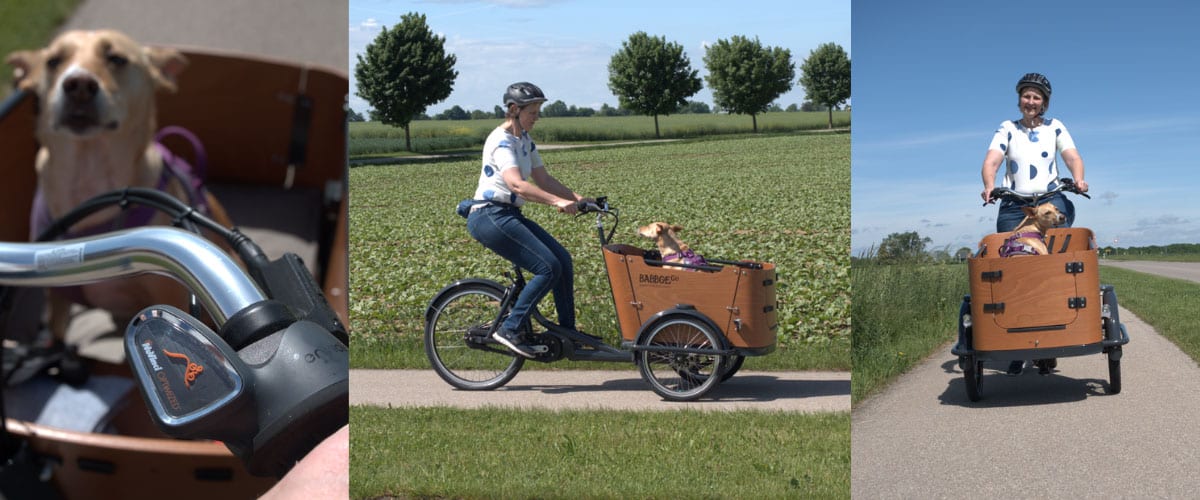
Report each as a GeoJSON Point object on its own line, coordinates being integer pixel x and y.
{"type": "Point", "coordinates": [1168, 305]}
{"type": "Point", "coordinates": [901, 313]}
{"type": "Point", "coordinates": [782, 199]}
{"type": "Point", "coordinates": [374, 138]}
{"type": "Point", "coordinates": [447, 453]}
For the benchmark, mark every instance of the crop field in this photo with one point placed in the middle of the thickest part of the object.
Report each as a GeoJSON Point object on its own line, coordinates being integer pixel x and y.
{"type": "Point", "coordinates": [374, 138]}
{"type": "Point", "coordinates": [783, 199]}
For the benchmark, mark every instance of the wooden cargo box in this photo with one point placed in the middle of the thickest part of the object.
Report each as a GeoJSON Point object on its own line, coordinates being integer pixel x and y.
{"type": "Point", "coordinates": [741, 301]}
{"type": "Point", "coordinates": [1036, 301]}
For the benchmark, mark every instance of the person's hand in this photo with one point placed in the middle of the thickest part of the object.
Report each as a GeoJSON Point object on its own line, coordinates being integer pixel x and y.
{"type": "Point", "coordinates": [323, 473]}
{"type": "Point", "coordinates": [1082, 185]}
{"type": "Point", "coordinates": [566, 206]}
{"type": "Point", "coordinates": [986, 195]}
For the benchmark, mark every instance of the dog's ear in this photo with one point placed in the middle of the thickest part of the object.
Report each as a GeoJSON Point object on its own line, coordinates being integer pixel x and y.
{"type": "Point", "coordinates": [24, 63]}
{"type": "Point", "coordinates": [677, 228]}
{"type": "Point", "coordinates": [165, 65]}
{"type": "Point", "coordinates": [1029, 211]}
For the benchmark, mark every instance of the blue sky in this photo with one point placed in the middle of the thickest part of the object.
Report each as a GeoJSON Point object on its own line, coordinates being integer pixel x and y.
{"type": "Point", "coordinates": [934, 79]}
{"type": "Point", "coordinates": [564, 46]}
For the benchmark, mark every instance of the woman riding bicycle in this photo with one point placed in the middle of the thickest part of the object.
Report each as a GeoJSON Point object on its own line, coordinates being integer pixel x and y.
{"type": "Point", "coordinates": [510, 162]}
{"type": "Point", "coordinates": [1031, 146]}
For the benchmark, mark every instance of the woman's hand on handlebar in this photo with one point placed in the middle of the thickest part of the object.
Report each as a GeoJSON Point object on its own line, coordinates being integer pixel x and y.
{"type": "Point", "coordinates": [566, 206]}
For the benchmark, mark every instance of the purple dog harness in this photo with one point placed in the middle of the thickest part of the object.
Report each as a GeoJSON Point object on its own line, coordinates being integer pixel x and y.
{"type": "Point", "coordinates": [686, 257]}
{"type": "Point", "coordinates": [173, 166]}
{"type": "Point", "coordinates": [1013, 247]}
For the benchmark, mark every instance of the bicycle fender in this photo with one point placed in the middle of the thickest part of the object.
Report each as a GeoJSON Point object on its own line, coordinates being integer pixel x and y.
{"type": "Point", "coordinates": [681, 310]}
{"type": "Point", "coordinates": [444, 292]}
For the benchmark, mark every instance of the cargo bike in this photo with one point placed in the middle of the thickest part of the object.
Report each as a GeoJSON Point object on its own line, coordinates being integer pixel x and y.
{"type": "Point", "coordinates": [1039, 307]}
{"type": "Point", "coordinates": [687, 328]}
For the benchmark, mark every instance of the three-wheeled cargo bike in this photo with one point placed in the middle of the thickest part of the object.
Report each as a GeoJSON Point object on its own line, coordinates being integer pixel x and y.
{"type": "Point", "coordinates": [1038, 307]}
{"type": "Point", "coordinates": [687, 328]}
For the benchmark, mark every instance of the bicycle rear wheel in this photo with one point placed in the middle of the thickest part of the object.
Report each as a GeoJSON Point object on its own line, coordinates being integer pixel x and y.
{"type": "Point", "coordinates": [457, 342]}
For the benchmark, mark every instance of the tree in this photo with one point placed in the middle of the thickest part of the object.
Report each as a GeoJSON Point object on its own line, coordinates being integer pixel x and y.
{"type": "Point", "coordinates": [353, 116]}
{"type": "Point", "coordinates": [962, 254]}
{"type": "Point", "coordinates": [900, 247]}
{"type": "Point", "coordinates": [651, 76]}
{"type": "Point", "coordinates": [556, 108]}
{"type": "Point", "coordinates": [403, 71]}
{"type": "Point", "coordinates": [455, 113]}
{"type": "Point", "coordinates": [825, 76]}
{"type": "Point", "coordinates": [792, 108]}
{"type": "Point", "coordinates": [746, 77]}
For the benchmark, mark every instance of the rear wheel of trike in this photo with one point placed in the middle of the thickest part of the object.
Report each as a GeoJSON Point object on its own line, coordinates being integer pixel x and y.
{"type": "Point", "coordinates": [681, 376]}
{"type": "Point", "coordinates": [973, 378]}
{"type": "Point", "coordinates": [456, 341]}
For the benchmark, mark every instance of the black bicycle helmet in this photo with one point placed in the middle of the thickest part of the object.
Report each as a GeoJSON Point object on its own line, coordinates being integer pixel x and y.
{"type": "Point", "coordinates": [1037, 81]}
{"type": "Point", "coordinates": [522, 93]}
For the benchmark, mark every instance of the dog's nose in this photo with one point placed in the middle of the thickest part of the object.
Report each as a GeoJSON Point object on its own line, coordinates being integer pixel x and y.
{"type": "Point", "coordinates": [81, 88]}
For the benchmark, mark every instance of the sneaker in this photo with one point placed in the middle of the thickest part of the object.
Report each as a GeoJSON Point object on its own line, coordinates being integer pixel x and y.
{"type": "Point", "coordinates": [1016, 367]}
{"type": "Point", "coordinates": [514, 343]}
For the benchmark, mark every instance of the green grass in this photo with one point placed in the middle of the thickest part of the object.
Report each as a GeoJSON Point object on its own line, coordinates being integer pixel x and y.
{"type": "Point", "coordinates": [901, 313]}
{"type": "Point", "coordinates": [494, 453]}
{"type": "Point", "coordinates": [374, 138]}
{"type": "Point", "coordinates": [1167, 304]}
{"type": "Point", "coordinates": [782, 199]}
{"type": "Point", "coordinates": [28, 25]}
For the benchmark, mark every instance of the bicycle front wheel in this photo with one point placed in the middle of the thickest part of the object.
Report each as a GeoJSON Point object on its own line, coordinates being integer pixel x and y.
{"type": "Point", "coordinates": [457, 342]}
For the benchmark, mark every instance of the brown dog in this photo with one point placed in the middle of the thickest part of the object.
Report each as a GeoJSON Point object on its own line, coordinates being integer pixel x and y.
{"type": "Point", "coordinates": [669, 245]}
{"type": "Point", "coordinates": [1029, 238]}
{"type": "Point", "coordinates": [96, 126]}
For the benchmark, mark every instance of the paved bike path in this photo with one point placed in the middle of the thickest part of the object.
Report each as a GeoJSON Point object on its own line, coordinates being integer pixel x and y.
{"type": "Point", "coordinates": [608, 390]}
{"type": "Point", "coordinates": [1179, 270]}
{"type": "Point", "coordinates": [1054, 436]}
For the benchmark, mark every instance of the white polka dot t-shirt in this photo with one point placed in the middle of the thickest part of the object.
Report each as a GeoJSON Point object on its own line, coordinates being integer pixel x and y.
{"type": "Point", "coordinates": [1030, 155]}
{"type": "Point", "coordinates": [503, 151]}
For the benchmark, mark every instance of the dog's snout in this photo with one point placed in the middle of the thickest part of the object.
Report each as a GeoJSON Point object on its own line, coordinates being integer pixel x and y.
{"type": "Point", "coordinates": [81, 87]}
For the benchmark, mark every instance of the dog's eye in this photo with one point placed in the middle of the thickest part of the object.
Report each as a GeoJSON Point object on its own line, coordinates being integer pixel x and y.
{"type": "Point", "coordinates": [53, 62]}
{"type": "Point", "coordinates": [117, 60]}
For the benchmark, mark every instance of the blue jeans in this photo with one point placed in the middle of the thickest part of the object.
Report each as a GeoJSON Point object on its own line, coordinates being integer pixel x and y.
{"type": "Point", "coordinates": [502, 229]}
{"type": "Point", "coordinates": [1010, 215]}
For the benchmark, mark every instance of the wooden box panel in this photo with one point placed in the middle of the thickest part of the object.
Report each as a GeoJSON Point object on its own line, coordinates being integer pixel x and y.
{"type": "Point", "coordinates": [1048, 301]}
{"type": "Point", "coordinates": [740, 301]}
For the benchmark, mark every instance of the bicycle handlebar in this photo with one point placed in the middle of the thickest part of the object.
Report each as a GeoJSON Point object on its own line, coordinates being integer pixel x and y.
{"type": "Point", "coordinates": [1067, 185]}
{"type": "Point", "coordinates": [219, 283]}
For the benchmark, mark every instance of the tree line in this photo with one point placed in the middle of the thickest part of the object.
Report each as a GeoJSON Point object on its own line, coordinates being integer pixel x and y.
{"type": "Point", "coordinates": [560, 109]}
{"type": "Point", "coordinates": [406, 69]}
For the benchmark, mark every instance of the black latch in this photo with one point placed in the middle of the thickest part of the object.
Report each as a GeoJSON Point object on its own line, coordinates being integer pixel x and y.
{"type": "Point", "coordinates": [1076, 302]}
{"type": "Point", "coordinates": [991, 275]}
{"type": "Point", "coordinates": [991, 308]}
{"type": "Point", "coordinates": [1074, 267]}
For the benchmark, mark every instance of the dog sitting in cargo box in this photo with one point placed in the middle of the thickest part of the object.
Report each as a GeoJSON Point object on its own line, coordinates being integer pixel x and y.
{"type": "Point", "coordinates": [96, 127]}
{"type": "Point", "coordinates": [1029, 238]}
{"type": "Point", "coordinates": [672, 249]}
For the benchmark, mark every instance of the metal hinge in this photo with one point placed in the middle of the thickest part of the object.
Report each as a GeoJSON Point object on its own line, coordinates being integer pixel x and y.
{"type": "Point", "coordinates": [1074, 267]}
{"type": "Point", "coordinates": [991, 275]}
{"type": "Point", "coordinates": [996, 307]}
{"type": "Point", "coordinates": [1076, 302]}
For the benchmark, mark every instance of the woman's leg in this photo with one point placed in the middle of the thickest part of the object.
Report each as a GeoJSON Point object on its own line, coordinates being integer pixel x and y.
{"type": "Point", "coordinates": [564, 286]}
{"type": "Point", "coordinates": [505, 231]}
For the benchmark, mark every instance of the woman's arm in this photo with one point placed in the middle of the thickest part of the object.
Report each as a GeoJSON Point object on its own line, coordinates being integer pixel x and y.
{"type": "Point", "coordinates": [991, 164]}
{"type": "Point", "coordinates": [1075, 165]}
{"type": "Point", "coordinates": [563, 200]}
